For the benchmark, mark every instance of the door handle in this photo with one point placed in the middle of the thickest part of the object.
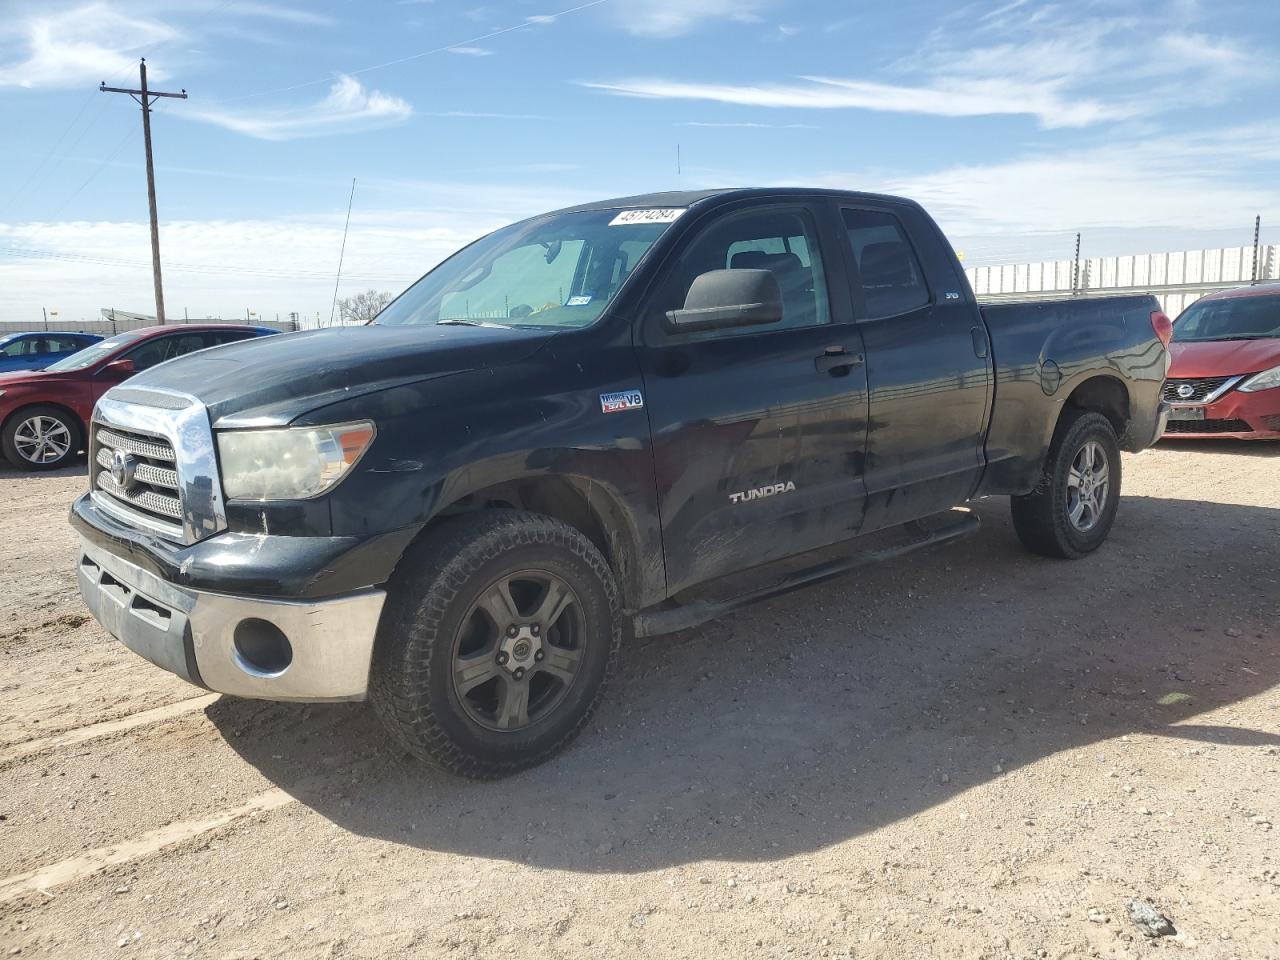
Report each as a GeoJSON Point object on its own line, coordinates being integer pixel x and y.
{"type": "Point", "coordinates": [837, 361]}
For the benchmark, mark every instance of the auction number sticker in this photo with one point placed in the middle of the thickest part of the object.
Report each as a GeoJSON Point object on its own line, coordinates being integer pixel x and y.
{"type": "Point", "coordinates": [617, 402]}
{"type": "Point", "coordinates": [656, 215]}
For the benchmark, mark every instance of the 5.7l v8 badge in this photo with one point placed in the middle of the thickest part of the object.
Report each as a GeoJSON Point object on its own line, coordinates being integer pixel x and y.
{"type": "Point", "coordinates": [617, 402]}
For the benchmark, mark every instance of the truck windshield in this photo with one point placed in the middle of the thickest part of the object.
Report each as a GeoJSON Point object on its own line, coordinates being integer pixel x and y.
{"type": "Point", "coordinates": [92, 354]}
{"type": "Point", "coordinates": [1235, 318]}
{"type": "Point", "coordinates": [558, 271]}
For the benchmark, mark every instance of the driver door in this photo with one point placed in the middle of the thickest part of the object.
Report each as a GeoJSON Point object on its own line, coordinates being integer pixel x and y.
{"type": "Point", "coordinates": [758, 436]}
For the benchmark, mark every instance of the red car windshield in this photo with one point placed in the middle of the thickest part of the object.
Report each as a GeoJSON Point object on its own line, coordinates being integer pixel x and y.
{"type": "Point", "coordinates": [93, 353]}
{"type": "Point", "coordinates": [1232, 318]}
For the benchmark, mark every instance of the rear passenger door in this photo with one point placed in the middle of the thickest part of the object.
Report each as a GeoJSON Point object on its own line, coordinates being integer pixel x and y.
{"type": "Point", "coordinates": [928, 364]}
{"type": "Point", "coordinates": [757, 431]}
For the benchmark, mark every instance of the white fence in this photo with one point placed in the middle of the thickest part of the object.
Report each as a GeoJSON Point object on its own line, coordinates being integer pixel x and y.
{"type": "Point", "coordinates": [1177, 279]}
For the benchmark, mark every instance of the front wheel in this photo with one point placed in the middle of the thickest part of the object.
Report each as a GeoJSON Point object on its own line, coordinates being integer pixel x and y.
{"type": "Point", "coordinates": [499, 632]}
{"type": "Point", "coordinates": [1074, 505]}
{"type": "Point", "coordinates": [40, 438]}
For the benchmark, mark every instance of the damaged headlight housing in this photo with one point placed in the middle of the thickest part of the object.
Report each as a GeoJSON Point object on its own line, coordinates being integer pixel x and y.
{"type": "Point", "coordinates": [294, 463]}
{"type": "Point", "coordinates": [1262, 381]}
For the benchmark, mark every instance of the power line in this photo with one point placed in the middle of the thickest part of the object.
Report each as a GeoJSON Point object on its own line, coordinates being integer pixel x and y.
{"type": "Point", "coordinates": [148, 48]}
{"type": "Point", "coordinates": [106, 161]}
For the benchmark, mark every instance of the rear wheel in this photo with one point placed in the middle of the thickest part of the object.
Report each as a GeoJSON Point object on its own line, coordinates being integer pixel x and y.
{"type": "Point", "coordinates": [1074, 505]}
{"type": "Point", "coordinates": [40, 438]}
{"type": "Point", "coordinates": [499, 633]}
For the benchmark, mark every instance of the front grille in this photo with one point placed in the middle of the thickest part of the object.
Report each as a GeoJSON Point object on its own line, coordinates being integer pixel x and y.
{"type": "Point", "coordinates": [1208, 426]}
{"type": "Point", "coordinates": [1201, 388]}
{"type": "Point", "coordinates": [153, 489]}
{"type": "Point", "coordinates": [1272, 422]}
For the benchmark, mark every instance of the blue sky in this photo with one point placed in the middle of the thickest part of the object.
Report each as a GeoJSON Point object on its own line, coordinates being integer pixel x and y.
{"type": "Point", "coordinates": [1146, 125]}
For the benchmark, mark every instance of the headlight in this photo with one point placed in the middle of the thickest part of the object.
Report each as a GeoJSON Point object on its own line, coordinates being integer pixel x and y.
{"type": "Point", "coordinates": [1262, 381]}
{"type": "Point", "coordinates": [296, 463]}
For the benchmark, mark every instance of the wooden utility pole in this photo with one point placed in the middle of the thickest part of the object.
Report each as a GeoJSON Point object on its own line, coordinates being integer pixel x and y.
{"type": "Point", "coordinates": [146, 98]}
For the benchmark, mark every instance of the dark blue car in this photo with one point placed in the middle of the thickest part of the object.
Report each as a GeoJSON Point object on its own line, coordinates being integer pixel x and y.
{"type": "Point", "coordinates": [35, 351]}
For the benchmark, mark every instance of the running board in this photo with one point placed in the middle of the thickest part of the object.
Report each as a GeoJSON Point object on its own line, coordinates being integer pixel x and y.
{"type": "Point", "coordinates": [670, 619]}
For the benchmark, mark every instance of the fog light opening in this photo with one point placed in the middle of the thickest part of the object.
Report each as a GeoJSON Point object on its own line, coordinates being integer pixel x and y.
{"type": "Point", "coordinates": [262, 649]}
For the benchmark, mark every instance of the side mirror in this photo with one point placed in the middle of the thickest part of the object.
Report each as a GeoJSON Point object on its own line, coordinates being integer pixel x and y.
{"type": "Point", "coordinates": [728, 298]}
{"type": "Point", "coordinates": [119, 368]}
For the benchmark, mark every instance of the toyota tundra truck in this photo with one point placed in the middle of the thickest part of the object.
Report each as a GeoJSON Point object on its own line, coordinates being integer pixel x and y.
{"type": "Point", "coordinates": [622, 418]}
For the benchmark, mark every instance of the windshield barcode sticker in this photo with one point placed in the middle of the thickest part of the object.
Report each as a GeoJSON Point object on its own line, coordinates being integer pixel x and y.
{"type": "Point", "coordinates": [659, 215]}
{"type": "Point", "coordinates": [617, 402]}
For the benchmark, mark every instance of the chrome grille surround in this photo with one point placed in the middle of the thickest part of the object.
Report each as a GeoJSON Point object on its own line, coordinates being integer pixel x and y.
{"type": "Point", "coordinates": [176, 492]}
{"type": "Point", "coordinates": [1204, 390]}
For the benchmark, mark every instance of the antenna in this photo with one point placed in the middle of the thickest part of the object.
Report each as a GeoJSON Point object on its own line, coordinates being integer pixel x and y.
{"type": "Point", "coordinates": [677, 159]}
{"type": "Point", "coordinates": [343, 252]}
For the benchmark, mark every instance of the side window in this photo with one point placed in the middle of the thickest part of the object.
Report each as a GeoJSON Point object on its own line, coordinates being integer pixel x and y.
{"type": "Point", "coordinates": [782, 241]}
{"type": "Point", "coordinates": [17, 348]}
{"type": "Point", "coordinates": [149, 354]}
{"type": "Point", "coordinates": [60, 345]}
{"type": "Point", "coordinates": [227, 336]}
{"type": "Point", "coordinates": [187, 343]}
{"type": "Point", "coordinates": [891, 278]}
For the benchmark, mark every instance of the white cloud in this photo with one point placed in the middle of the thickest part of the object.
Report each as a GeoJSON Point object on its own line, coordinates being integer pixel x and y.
{"type": "Point", "coordinates": [747, 125]}
{"type": "Point", "coordinates": [481, 115]}
{"type": "Point", "coordinates": [971, 99]}
{"type": "Point", "coordinates": [348, 107]}
{"type": "Point", "coordinates": [400, 229]}
{"type": "Point", "coordinates": [270, 11]}
{"type": "Point", "coordinates": [1209, 181]}
{"type": "Point", "coordinates": [1050, 63]}
{"type": "Point", "coordinates": [674, 18]}
{"type": "Point", "coordinates": [79, 46]}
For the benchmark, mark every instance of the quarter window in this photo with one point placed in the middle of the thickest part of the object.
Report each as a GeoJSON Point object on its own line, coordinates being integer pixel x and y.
{"type": "Point", "coordinates": [890, 275]}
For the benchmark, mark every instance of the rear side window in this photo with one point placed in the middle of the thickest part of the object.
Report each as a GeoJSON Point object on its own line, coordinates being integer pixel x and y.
{"type": "Point", "coordinates": [888, 270]}
{"type": "Point", "coordinates": [228, 336]}
{"type": "Point", "coordinates": [62, 344]}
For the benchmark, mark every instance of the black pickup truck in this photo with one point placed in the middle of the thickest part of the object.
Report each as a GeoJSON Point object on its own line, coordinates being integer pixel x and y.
{"type": "Point", "coordinates": [601, 421]}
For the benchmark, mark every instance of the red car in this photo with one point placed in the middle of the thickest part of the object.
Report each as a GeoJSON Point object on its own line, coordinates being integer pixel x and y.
{"type": "Point", "coordinates": [1224, 378]}
{"type": "Point", "coordinates": [43, 413]}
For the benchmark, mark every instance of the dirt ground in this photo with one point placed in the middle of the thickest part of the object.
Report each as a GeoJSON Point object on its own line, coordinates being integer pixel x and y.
{"type": "Point", "coordinates": [970, 752]}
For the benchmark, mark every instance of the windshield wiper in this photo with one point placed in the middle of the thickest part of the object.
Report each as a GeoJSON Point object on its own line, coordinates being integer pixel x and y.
{"type": "Point", "coordinates": [467, 322]}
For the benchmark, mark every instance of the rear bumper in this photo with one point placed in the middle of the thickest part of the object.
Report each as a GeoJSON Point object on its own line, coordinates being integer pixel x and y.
{"type": "Point", "coordinates": [207, 638]}
{"type": "Point", "coordinates": [1146, 426]}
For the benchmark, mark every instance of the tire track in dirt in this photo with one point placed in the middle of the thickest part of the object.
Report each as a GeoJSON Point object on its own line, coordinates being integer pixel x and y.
{"type": "Point", "coordinates": [108, 728]}
{"type": "Point", "coordinates": [85, 865]}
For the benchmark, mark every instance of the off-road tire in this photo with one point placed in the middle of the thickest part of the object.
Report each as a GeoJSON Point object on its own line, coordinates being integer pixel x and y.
{"type": "Point", "coordinates": [1040, 518]}
{"type": "Point", "coordinates": [10, 448]}
{"type": "Point", "coordinates": [434, 587]}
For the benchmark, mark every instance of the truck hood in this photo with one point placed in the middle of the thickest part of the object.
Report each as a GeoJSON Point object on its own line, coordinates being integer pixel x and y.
{"type": "Point", "coordinates": [1223, 358]}
{"type": "Point", "coordinates": [273, 380]}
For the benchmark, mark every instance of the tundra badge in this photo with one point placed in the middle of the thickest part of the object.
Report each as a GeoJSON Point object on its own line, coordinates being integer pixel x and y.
{"type": "Point", "coordinates": [755, 493]}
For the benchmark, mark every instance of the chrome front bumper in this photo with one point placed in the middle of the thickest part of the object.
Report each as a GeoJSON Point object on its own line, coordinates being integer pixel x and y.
{"type": "Point", "coordinates": [194, 633]}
